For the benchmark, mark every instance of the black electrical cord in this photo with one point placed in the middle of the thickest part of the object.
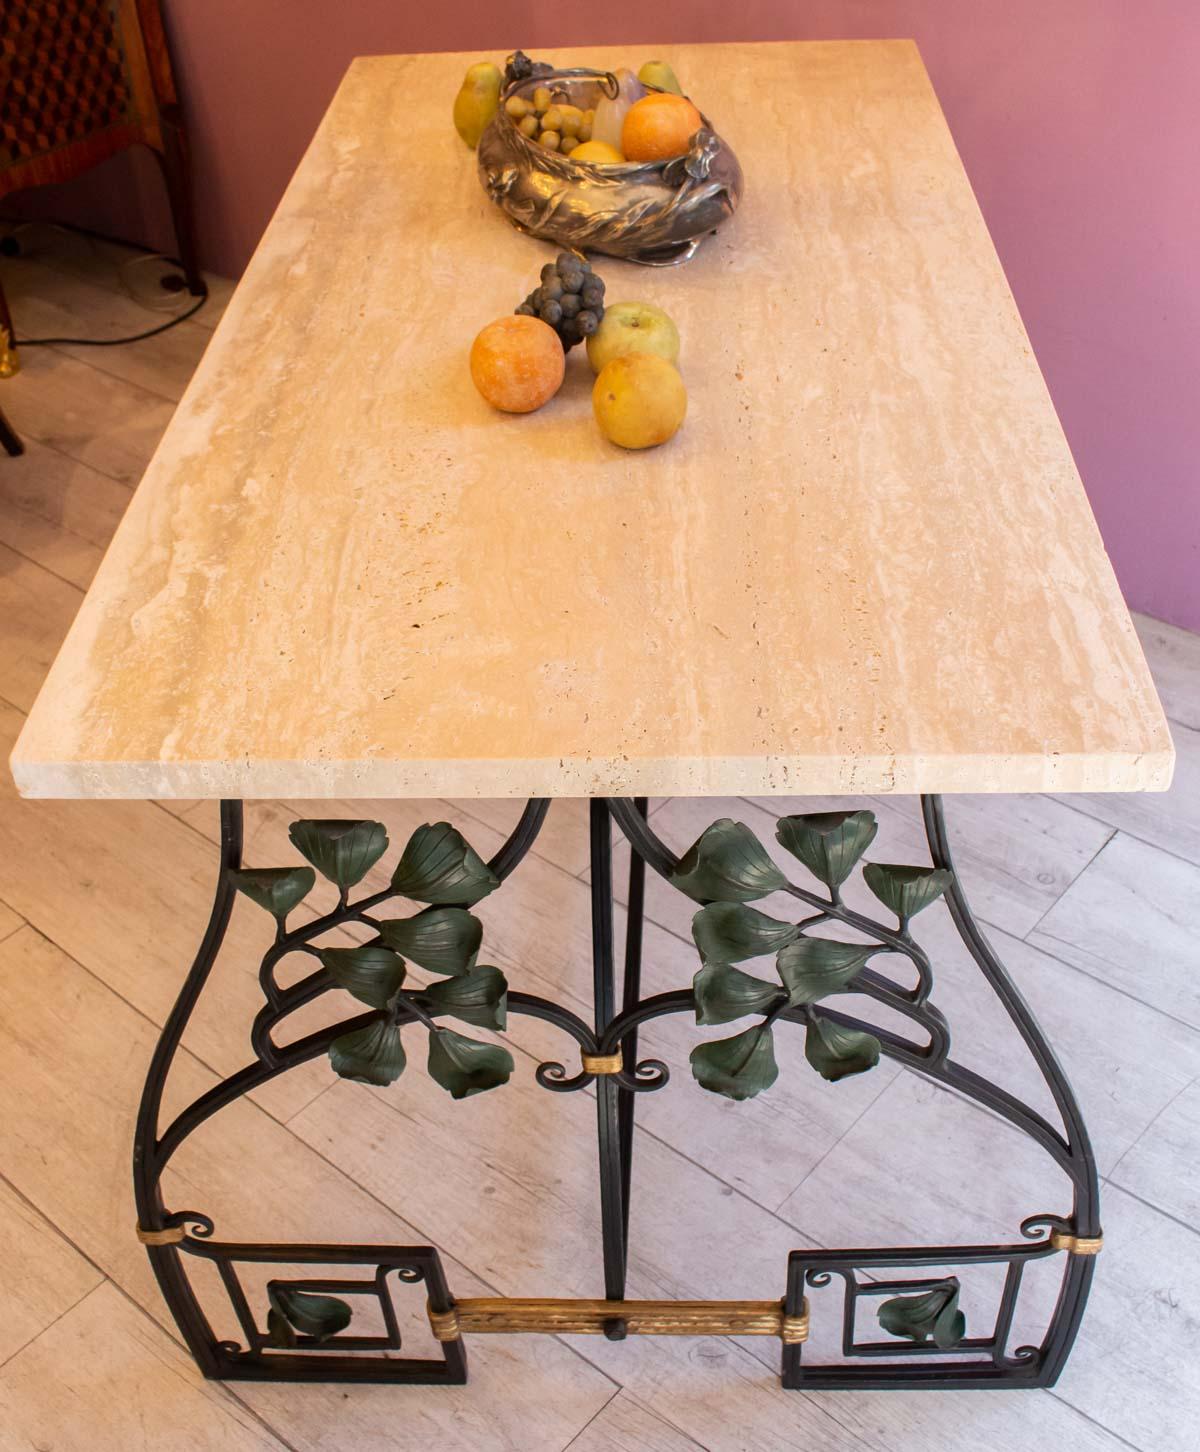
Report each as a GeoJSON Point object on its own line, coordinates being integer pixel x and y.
{"type": "Point", "coordinates": [116, 342]}
{"type": "Point", "coordinates": [133, 337]}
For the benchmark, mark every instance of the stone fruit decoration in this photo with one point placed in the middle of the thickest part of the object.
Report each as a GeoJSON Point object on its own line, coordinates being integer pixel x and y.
{"type": "Point", "coordinates": [658, 127]}
{"type": "Point", "coordinates": [570, 299]}
{"type": "Point", "coordinates": [653, 210]}
{"type": "Point", "coordinates": [658, 75]}
{"type": "Point", "coordinates": [476, 102]}
{"type": "Point", "coordinates": [639, 400]}
{"type": "Point", "coordinates": [633, 327]}
{"type": "Point", "coordinates": [517, 363]}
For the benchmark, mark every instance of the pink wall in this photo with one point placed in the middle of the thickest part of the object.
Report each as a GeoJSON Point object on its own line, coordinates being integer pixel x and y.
{"type": "Point", "coordinates": [1077, 120]}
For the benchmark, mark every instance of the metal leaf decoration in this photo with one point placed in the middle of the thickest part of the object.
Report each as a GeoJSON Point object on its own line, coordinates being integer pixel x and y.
{"type": "Point", "coordinates": [836, 1052]}
{"type": "Point", "coordinates": [372, 973]}
{"type": "Point", "coordinates": [441, 939]}
{"type": "Point", "coordinates": [479, 997]}
{"type": "Point", "coordinates": [300, 1311]}
{"type": "Point", "coordinates": [730, 932]}
{"type": "Point", "coordinates": [344, 852]}
{"type": "Point", "coordinates": [278, 889]}
{"type": "Point", "coordinates": [828, 843]}
{"type": "Point", "coordinates": [814, 967]}
{"type": "Point", "coordinates": [933, 1314]}
{"type": "Point", "coordinates": [906, 890]}
{"type": "Point", "coordinates": [371, 1055]}
{"type": "Point", "coordinates": [724, 993]}
{"type": "Point", "coordinates": [440, 866]}
{"type": "Point", "coordinates": [465, 1066]}
{"type": "Point", "coordinates": [727, 863]}
{"type": "Point", "coordinates": [738, 1068]}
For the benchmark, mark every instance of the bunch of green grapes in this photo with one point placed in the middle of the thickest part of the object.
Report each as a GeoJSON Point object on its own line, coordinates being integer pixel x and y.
{"type": "Point", "coordinates": [570, 299]}
{"type": "Point", "coordinates": [556, 125]}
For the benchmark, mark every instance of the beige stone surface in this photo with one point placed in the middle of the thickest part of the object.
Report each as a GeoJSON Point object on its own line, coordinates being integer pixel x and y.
{"type": "Point", "coordinates": [866, 564]}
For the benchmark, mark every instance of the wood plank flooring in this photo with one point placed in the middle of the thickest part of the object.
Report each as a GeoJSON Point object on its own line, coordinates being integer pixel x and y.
{"type": "Point", "coordinates": [1093, 902]}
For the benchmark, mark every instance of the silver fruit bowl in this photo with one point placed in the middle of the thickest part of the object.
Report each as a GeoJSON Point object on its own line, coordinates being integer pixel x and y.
{"type": "Point", "coordinates": [654, 212]}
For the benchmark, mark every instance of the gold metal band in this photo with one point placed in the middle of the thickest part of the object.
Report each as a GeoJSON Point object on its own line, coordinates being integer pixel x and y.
{"type": "Point", "coordinates": [1076, 1244]}
{"type": "Point", "coordinates": [508, 1314]}
{"type": "Point", "coordinates": [10, 364]}
{"type": "Point", "coordinates": [443, 1324]}
{"type": "Point", "coordinates": [602, 1063]}
{"type": "Point", "coordinates": [172, 1235]}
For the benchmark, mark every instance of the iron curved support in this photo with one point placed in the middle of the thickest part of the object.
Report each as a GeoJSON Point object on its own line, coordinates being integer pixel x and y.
{"type": "Point", "coordinates": [608, 1051]}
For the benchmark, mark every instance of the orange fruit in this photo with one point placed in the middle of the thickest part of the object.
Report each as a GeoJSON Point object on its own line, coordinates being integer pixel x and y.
{"type": "Point", "coordinates": [658, 127]}
{"type": "Point", "coordinates": [517, 363]}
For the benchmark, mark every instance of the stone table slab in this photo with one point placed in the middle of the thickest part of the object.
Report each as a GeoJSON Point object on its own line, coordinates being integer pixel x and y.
{"type": "Point", "coordinates": [866, 564]}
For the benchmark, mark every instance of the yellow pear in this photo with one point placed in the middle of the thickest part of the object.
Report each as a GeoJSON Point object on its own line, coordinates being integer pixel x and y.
{"type": "Point", "coordinates": [477, 101]}
{"type": "Point", "coordinates": [659, 73]}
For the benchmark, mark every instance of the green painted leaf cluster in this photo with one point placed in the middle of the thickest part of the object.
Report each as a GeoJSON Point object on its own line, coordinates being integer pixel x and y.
{"type": "Point", "coordinates": [464, 1066]}
{"type": "Point", "coordinates": [724, 993]}
{"type": "Point", "coordinates": [344, 852]}
{"type": "Point", "coordinates": [440, 866]}
{"type": "Point", "coordinates": [445, 940]}
{"type": "Point", "coordinates": [730, 932]}
{"type": "Point", "coordinates": [727, 863]}
{"type": "Point", "coordinates": [836, 1052]}
{"type": "Point", "coordinates": [738, 1068]}
{"type": "Point", "coordinates": [277, 889]}
{"type": "Point", "coordinates": [810, 968]}
{"type": "Point", "coordinates": [906, 890]}
{"type": "Point", "coordinates": [439, 939]}
{"type": "Point", "coordinates": [371, 1055]}
{"type": "Point", "coordinates": [479, 997]}
{"type": "Point", "coordinates": [372, 973]}
{"type": "Point", "coordinates": [932, 1314]}
{"type": "Point", "coordinates": [294, 1313]}
{"type": "Point", "coordinates": [828, 843]}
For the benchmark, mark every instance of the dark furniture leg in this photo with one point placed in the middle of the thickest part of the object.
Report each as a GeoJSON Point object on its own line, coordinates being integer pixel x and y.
{"type": "Point", "coordinates": [8, 437]}
{"type": "Point", "coordinates": [177, 174]}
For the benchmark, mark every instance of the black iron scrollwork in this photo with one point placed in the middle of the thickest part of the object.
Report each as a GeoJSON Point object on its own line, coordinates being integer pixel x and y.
{"type": "Point", "coordinates": [725, 872]}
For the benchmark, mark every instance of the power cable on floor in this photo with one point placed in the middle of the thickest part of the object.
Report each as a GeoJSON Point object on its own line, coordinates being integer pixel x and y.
{"type": "Point", "coordinates": [10, 247]}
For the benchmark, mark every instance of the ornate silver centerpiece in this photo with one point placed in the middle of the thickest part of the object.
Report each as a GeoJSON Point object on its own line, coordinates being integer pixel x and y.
{"type": "Point", "coordinates": [654, 212]}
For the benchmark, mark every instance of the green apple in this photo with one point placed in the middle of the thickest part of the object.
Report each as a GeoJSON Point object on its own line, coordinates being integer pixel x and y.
{"type": "Point", "coordinates": [477, 101]}
{"type": "Point", "coordinates": [659, 73]}
{"type": "Point", "coordinates": [632, 327]}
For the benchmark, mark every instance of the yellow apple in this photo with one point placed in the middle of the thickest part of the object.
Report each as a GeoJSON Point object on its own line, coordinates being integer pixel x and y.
{"type": "Point", "coordinates": [639, 400]}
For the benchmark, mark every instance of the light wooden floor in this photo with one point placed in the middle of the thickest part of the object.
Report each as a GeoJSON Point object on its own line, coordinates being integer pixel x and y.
{"type": "Point", "coordinates": [1093, 902]}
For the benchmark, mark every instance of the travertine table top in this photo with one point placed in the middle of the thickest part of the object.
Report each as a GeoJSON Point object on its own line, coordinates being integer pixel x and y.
{"type": "Point", "coordinates": [866, 564]}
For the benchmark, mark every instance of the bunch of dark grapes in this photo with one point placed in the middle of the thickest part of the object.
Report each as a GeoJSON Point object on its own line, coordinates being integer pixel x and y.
{"type": "Point", "coordinates": [521, 68]}
{"type": "Point", "coordinates": [570, 299]}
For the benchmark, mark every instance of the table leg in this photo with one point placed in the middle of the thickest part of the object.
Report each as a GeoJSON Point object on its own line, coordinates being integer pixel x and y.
{"type": "Point", "coordinates": [613, 1210]}
{"type": "Point", "coordinates": [305, 1331]}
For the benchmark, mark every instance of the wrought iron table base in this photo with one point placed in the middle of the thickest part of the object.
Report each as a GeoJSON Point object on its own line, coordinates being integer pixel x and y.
{"type": "Point", "coordinates": [304, 1335]}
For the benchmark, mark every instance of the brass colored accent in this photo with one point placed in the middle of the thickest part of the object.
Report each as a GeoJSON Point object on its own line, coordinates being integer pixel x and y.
{"type": "Point", "coordinates": [1076, 1244]}
{"type": "Point", "coordinates": [444, 1324]}
{"type": "Point", "coordinates": [172, 1235]}
{"type": "Point", "coordinates": [642, 1318]}
{"type": "Point", "coordinates": [10, 363]}
{"type": "Point", "coordinates": [602, 1063]}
